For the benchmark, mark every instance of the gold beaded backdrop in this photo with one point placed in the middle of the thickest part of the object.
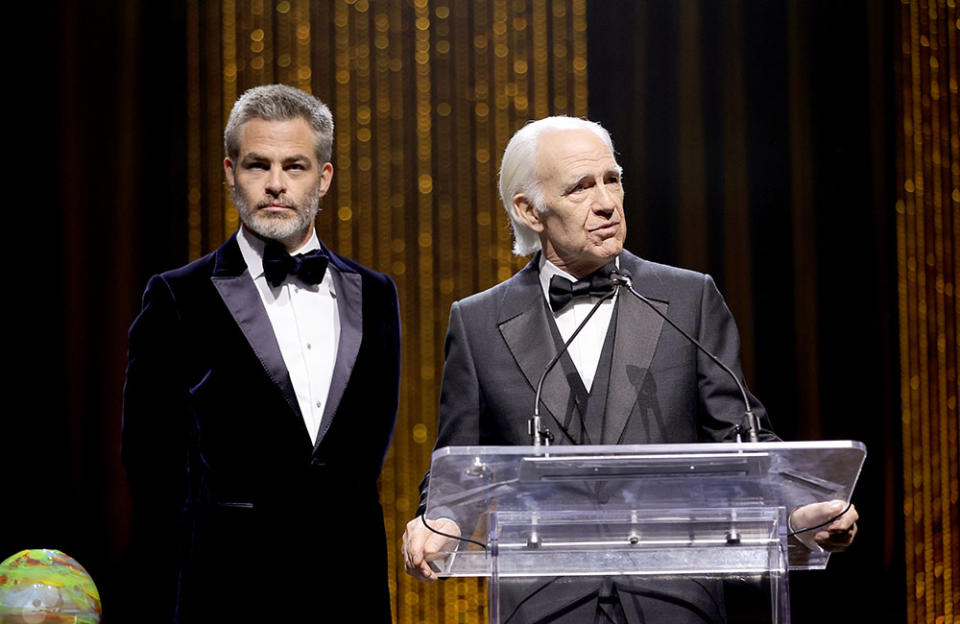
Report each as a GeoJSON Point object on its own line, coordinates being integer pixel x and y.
{"type": "Point", "coordinates": [425, 95]}
{"type": "Point", "coordinates": [928, 254]}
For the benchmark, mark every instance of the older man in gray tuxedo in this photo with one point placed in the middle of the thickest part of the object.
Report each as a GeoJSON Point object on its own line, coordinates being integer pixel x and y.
{"type": "Point", "coordinates": [626, 379]}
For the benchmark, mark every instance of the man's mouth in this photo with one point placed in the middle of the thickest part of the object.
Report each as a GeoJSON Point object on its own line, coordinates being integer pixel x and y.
{"type": "Point", "coordinates": [276, 207]}
{"type": "Point", "coordinates": [606, 229]}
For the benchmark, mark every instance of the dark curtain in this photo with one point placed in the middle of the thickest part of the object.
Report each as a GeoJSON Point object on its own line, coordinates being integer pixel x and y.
{"type": "Point", "coordinates": [98, 104]}
{"type": "Point", "coordinates": [756, 139]}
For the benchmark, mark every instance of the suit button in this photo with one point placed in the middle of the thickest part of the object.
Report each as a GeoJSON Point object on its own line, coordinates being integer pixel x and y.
{"type": "Point", "coordinates": [316, 462]}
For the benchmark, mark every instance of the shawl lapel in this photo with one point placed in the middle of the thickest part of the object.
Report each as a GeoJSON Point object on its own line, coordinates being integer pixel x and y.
{"type": "Point", "coordinates": [638, 332]}
{"type": "Point", "coordinates": [524, 325]}
{"type": "Point", "coordinates": [232, 280]}
{"type": "Point", "coordinates": [347, 283]}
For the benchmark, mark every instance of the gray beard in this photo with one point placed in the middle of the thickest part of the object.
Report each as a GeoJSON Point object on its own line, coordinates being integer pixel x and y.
{"type": "Point", "coordinates": [274, 226]}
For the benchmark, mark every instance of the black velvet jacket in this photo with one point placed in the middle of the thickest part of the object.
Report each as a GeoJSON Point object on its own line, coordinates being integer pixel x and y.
{"type": "Point", "coordinates": [231, 499]}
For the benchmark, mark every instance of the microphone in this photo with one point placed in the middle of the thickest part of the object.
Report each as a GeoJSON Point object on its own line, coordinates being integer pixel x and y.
{"type": "Point", "coordinates": [621, 279]}
{"type": "Point", "coordinates": [539, 434]}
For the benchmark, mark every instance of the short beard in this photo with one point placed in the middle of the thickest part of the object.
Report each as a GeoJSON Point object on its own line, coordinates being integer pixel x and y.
{"type": "Point", "coordinates": [279, 227]}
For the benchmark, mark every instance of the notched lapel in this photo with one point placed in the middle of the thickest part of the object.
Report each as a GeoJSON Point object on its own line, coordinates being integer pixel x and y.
{"type": "Point", "coordinates": [349, 288]}
{"type": "Point", "coordinates": [242, 299]}
{"type": "Point", "coordinates": [638, 332]}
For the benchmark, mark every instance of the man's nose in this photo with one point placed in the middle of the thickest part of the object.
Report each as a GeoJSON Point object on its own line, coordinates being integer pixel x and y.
{"type": "Point", "coordinates": [275, 182]}
{"type": "Point", "coordinates": [604, 199]}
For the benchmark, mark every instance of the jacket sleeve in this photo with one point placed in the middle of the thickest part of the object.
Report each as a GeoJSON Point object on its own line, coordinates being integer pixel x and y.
{"type": "Point", "coordinates": [390, 369]}
{"type": "Point", "coordinates": [154, 443]}
{"type": "Point", "coordinates": [721, 404]}
{"type": "Point", "coordinates": [458, 422]}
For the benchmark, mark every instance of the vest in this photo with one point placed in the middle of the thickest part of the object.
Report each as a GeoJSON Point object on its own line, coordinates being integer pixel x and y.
{"type": "Point", "coordinates": [585, 424]}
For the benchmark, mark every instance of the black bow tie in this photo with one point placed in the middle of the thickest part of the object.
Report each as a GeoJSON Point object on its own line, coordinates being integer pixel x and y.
{"type": "Point", "coordinates": [278, 264]}
{"type": "Point", "coordinates": [563, 291]}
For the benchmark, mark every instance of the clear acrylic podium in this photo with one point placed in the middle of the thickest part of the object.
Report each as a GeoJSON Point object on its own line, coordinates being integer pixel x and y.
{"type": "Point", "coordinates": [664, 510]}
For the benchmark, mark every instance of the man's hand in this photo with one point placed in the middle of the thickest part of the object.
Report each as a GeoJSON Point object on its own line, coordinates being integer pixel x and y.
{"type": "Point", "coordinates": [834, 537]}
{"type": "Point", "coordinates": [421, 546]}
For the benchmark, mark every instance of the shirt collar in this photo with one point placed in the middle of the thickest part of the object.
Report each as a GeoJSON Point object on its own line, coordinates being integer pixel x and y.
{"type": "Point", "coordinates": [549, 269]}
{"type": "Point", "coordinates": [251, 247]}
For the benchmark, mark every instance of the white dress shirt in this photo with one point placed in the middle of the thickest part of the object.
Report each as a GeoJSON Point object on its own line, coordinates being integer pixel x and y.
{"type": "Point", "coordinates": [585, 349]}
{"type": "Point", "coordinates": [306, 323]}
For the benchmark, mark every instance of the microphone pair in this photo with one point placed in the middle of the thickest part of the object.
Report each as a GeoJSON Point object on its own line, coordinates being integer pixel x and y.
{"type": "Point", "coordinates": [621, 278]}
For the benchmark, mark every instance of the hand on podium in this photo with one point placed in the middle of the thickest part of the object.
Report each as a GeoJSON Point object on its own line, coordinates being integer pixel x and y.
{"type": "Point", "coordinates": [421, 546]}
{"type": "Point", "coordinates": [833, 537]}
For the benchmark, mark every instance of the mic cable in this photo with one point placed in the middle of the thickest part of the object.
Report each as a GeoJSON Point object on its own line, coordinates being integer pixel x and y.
{"type": "Point", "coordinates": [534, 428]}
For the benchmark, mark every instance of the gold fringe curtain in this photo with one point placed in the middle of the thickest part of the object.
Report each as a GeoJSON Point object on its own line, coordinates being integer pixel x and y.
{"type": "Point", "coordinates": [928, 241]}
{"type": "Point", "coordinates": [425, 95]}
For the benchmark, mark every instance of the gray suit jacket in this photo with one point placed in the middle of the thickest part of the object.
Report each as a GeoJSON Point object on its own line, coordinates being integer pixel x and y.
{"type": "Point", "coordinates": [662, 389]}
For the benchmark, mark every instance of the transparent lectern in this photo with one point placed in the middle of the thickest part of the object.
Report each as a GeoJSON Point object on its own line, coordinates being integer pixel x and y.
{"type": "Point", "coordinates": [715, 510]}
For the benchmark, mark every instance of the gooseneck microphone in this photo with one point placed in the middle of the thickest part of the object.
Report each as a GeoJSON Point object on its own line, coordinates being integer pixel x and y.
{"type": "Point", "coordinates": [621, 279]}
{"type": "Point", "coordinates": [539, 434]}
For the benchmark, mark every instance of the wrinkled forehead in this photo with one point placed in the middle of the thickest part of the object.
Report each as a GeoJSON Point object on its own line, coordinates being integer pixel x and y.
{"type": "Point", "coordinates": [569, 153]}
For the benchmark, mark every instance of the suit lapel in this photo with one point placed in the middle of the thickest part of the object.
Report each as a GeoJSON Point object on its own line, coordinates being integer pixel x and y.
{"type": "Point", "coordinates": [638, 332]}
{"type": "Point", "coordinates": [525, 328]}
{"type": "Point", "coordinates": [348, 286]}
{"type": "Point", "coordinates": [232, 280]}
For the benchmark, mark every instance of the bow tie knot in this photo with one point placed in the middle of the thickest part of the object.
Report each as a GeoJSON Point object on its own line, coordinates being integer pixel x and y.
{"type": "Point", "coordinates": [278, 264]}
{"type": "Point", "coordinates": [563, 291]}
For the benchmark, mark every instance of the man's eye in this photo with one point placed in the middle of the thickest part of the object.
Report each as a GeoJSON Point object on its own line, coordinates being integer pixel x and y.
{"type": "Point", "coordinates": [296, 167]}
{"type": "Point", "coordinates": [257, 165]}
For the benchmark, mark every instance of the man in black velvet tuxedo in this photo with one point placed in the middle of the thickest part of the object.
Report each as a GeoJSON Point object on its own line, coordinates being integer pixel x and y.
{"type": "Point", "coordinates": [627, 379]}
{"type": "Point", "coordinates": [260, 399]}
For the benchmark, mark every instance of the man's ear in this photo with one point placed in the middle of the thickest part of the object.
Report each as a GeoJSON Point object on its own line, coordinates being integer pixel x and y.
{"type": "Point", "coordinates": [228, 173]}
{"type": "Point", "coordinates": [326, 177]}
{"type": "Point", "coordinates": [525, 210]}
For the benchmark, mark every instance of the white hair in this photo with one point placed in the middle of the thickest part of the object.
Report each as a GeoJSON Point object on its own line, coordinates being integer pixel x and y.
{"type": "Point", "coordinates": [518, 172]}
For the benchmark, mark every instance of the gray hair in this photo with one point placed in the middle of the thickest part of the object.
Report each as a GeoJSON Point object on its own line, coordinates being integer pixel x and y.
{"type": "Point", "coordinates": [518, 172]}
{"type": "Point", "coordinates": [279, 102]}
